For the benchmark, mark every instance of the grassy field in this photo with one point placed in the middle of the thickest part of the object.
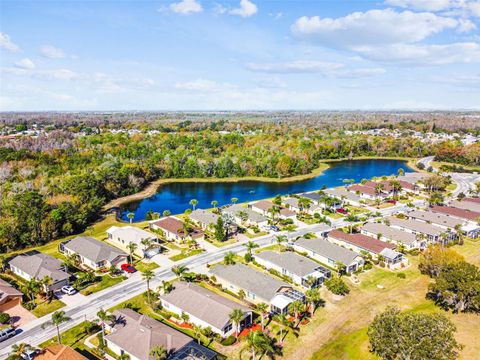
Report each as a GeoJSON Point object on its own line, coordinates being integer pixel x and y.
{"type": "Point", "coordinates": [339, 331]}
{"type": "Point", "coordinates": [45, 307]}
{"type": "Point", "coordinates": [144, 266]}
{"type": "Point", "coordinates": [185, 253]}
{"type": "Point", "coordinates": [104, 283]}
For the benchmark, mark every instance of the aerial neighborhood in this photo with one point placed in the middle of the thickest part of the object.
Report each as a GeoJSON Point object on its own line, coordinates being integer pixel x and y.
{"type": "Point", "coordinates": [276, 259]}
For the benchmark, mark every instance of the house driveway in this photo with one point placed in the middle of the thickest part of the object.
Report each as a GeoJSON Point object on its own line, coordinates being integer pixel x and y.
{"type": "Point", "coordinates": [204, 244]}
{"type": "Point", "coordinates": [71, 300]}
{"type": "Point", "coordinates": [162, 260]}
{"type": "Point", "coordinates": [19, 316]}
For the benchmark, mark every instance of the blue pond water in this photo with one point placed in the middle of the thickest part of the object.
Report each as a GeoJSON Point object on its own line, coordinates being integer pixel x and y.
{"type": "Point", "coordinates": [176, 196]}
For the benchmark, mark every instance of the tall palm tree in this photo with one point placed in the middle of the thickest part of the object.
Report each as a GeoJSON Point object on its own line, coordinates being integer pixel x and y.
{"type": "Point", "coordinates": [104, 317]}
{"type": "Point", "coordinates": [396, 187]}
{"type": "Point", "coordinates": [229, 258]}
{"type": "Point", "coordinates": [159, 352]}
{"type": "Point", "coordinates": [262, 309]}
{"type": "Point", "coordinates": [282, 320]}
{"type": "Point", "coordinates": [235, 317]}
{"type": "Point", "coordinates": [131, 248]}
{"type": "Point", "coordinates": [401, 172]}
{"type": "Point", "coordinates": [274, 210]}
{"type": "Point", "coordinates": [47, 281]}
{"type": "Point", "coordinates": [166, 287]}
{"type": "Point", "coordinates": [179, 270]}
{"type": "Point", "coordinates": [58, 318]}
{"type": "Point", "coordinates": [351, 219]}
{"type": "Point", "coordinates": [234, 200]}
{"type": "Point", "coordinates": [250, 246]}
{"type": "Point", "coordinates": [197, 331]}
{"type": "Point", "coordinates": [193, 202]}
{"type": "Point", "coordinates": [31, 289]}
{"type": "Point", "coordinates": [296, 307]}
{"type": "Point", "coordinates": [280, 239]}
{"type": "Point", "coordinates": [313, 297]}
{"type": "Point", "coordinates": [146, 244]}
{"type": "Point", "coordinates": [148, 275]}
{"type": "Point", "coordinates": [214, 203]}
{"type": "Point", "coordinates": [378, 188]}
{"type": "Point", "coordinates": [304, 203]}
{"type": "Point", "coordinates": [259, 343]}
{"type": "Point", "coordinates": [130, 216]}
{"type": "Point", "coordinates": [19, 349]}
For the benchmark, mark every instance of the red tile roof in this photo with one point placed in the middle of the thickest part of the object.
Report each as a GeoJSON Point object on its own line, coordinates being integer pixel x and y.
{"type": "Point", "coordinates": [363, 189]}
{"type": "Point", "coordinates": [366, 242]}
{"type": "Point", "coordinates": [170, 224]}
{"type": "Point", "coordinates": [460, 213]}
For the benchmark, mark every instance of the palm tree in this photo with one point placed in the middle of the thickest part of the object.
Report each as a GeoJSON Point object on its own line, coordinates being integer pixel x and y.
{"type": "Point", "coordinates": [166, 287]}
{"type": "Point", "coordinates": [258, 343]}
{"type": "Point", "coordinates": [396, 187]}
{"type": "Point", "coordinates": [104, 317]}
{"type": "Point", "coordinates": [84, 278]}
{"type": "Point", "coordinates": [19, 349]}
{"type": "Point", "coordinates": [250, 246]}
{"type": "Point", "coordinates": [197, 331]}
{"type": "Point", "coordinates": [130, 216]}
{"type": "Point", "coordinates": [214, 203]}
{"type": "Point", "coordinates": [166, 213]}
{"type": "Point", "coordinates": [148, 275]}
{"type": "Point", "coordinates": [401, 172]}
{"type": "Point", "coordinates": [58, 318]}
{"type": "Point", "coordinates": [131, 248]}
{"type": "Point", "coordinates": [304, 203]}
{"type": "Point", "coordinates": [378, 188]}
{"type": "Point", "coordinates": [179, 270]}
{"type": "Point", "coordinates": [296, 307]}
{"type": "Point", "coordinates": [123, 356]}
{"type": "Point", "coordinates": [351, 219]}
{"type": "Point", "coordinates": [159, 352]}
{"type": "Point", "coordinates": [262, 309]}
{"type": "Point", "coordinates": [235, 317]}
{"type": "Point", "coordinates": [47, 281]}
{"type": "Point", "coordinates": [193, 202]}
{"type": "Point", "coordinates": [313, 297]}
{"type": "Point", "coordinates": [283, 321]}
{"type": "Point", "coordinates": [279, 239]}
{"type": "Point", "coordinates": [274, 210]}
{"type": "Point", "coordinates": [229, 258]}
{"type": "Point", "coordinates": [31, 289]}
{"type": "Point", "coordinates": [146, 244]}
{"type": "Point", "coordinates": [234, 200]}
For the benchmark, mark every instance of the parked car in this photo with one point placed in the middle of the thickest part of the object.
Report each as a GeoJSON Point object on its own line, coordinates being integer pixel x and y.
{"type": "Point", "coordinates": [128, 268]}
{"type": "Point", "coordinates": [275, 228]}
{"type": "Point", "coordinates": [342, 211]}
{"type": "Point", "coordinates": [6, 334]}
{"type": "Point", "coordinates": [69, 290]}
{"type": "Point", "coordinates": [392, 202]}
{"type": "Point", "coordinates": [30, 354]}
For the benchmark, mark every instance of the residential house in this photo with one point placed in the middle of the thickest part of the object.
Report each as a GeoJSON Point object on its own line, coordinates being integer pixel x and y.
{"type": "Point", "coordinates": [92, 253]}
{"type": "Point", "coordinates": [362, 243]}
{"type": "Point", "coordinates": [59, 352]}
{"type": "Point", "coordinates": [366, 192]}
{"type": "Point", "coordinates": [122, 236]}
{"type": "Point", "coordinates": [174, 230]}
{"type": "Point", "coordinates": [314, 197]}
{"type": "Point", "coordinates": [257, 286]}
{"type": "Point", "coordinates": [329, 253]}
{"type": "Point", "coordinates": [135, 335]}
{"type": "Point", "coordinates": [37, 265]}
{"type": "Point", "coordinates": [9, 296]}
{"type": "Point", "coordinates": [291, 203]}
{"type": "Point", "coordinates": [246, 216]}
{"type": "Point", "coordinates": [300, 269]}
{"type": "Point", "coordinates": [387, 233]}
{"type": "Point", "coordinates": [456, 212]}
{"type": "Point", "coordinates": [431, 233]}
{"type": "Point", "coordinates": [466, 205]}
{"type": "Point", "coordinates": [264, 207]}
{"type": "Point", "coordinates": [204, 218]}
{"type": "Point", "coordinates": [205, 308]}
{"type": "Point", "coordinates": [344, 196]}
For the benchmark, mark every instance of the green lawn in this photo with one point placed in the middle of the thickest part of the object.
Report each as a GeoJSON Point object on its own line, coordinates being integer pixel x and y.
{"type": "Point", "coordinates": [74, 338]}
{"type": "Point", "coordinates": [105, 282]}
{"type": "Point", "coordinates": [353, 345]}
{"type": "Point", "coordinates": [143, 266]}
{"type": "Point", "coordinates": [46, 307]}
{"type": "Point", "coordinates": [221, 243]}
{"type": "Point", "coordinates": [253, 236]}
{"type": "Point", "coordinates": [186, 253]}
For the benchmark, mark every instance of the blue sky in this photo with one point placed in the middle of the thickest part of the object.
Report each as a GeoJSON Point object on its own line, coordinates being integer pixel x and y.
{"type": "Point", "coordinates": [239, 55]}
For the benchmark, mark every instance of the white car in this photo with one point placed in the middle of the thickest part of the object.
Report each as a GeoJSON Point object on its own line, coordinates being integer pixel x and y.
{"type": "Point", "coordinates": [67, 289]}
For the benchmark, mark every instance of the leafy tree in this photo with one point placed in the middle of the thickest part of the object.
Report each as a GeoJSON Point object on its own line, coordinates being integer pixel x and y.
{"type": "Point", "coordinates": [457, 287]}
{"type": "Point", "coordinates": [435, 258]}
{"type": "Point", "coordinates": [337, 286]}
{"type": "Point", "coordinates": [57, 319]}
{"type": "Point", "coordinates": [166, 213]}
{"type": "Point", "coordinates": [412, 336]}
{"type": "Point", "coordinates": [220, 232]}
{"type": "Point", "coordinates": [229, 258]}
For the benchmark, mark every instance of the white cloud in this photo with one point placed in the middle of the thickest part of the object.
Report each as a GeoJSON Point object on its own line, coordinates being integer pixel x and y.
{"type": "Point", "coordinates": [271, 83]}
{"type": "Point", "coordinates": [474, 8]}
{"type": "Point", "coordinates": [246, 9]}
{"type": "Point", "coordinates": [186, 7]}
{"type": "Point", "coordinates": [7, 44]}
{"type": "Point", "coordinates": [52, 52]}
{"type": "Point", "coordinates": [25, 63]}
{"type": "Point", "coordinates": [327, 69]}
{"type": "Point", "coordinates": [373, 27]}
{"type": "Point", "coordinates": [203, 85]}
{"type": "Point", "coordinates": [428, 5]}
{"type": "Point", "coordinates": [466, 52]}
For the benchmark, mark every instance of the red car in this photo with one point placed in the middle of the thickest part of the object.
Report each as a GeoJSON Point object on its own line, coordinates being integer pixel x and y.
{"type": "Point", "coordinates": [128, 268]}
{"type": "Point", "coordinates": [342, 211]}
{"type": "Point", "coordinates": [392, 202]}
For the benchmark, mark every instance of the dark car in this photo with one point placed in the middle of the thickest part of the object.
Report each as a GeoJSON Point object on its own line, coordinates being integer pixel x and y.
{"type": "Point", "coordinates": [128, 268]}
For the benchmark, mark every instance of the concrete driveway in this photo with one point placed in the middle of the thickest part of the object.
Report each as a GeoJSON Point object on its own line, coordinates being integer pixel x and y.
{"type": "Point", "coordinates": [19, 316]}
{"type": "Point", "coordinates": [162, 260]}
{"type": "Point", "coordinates": [71, 300]}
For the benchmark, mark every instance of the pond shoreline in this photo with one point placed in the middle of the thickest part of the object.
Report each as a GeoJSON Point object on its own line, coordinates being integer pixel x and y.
{"type": "Point", "coordinates": [152, 188]}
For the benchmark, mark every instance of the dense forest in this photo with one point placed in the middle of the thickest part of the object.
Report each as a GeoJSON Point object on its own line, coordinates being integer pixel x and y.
{"type": "Point", "coordinates": [56, 184]}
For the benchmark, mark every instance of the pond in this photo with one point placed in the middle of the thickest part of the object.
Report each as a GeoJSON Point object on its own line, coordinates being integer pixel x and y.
{"type": "Point", "coordinates": [175, 197]}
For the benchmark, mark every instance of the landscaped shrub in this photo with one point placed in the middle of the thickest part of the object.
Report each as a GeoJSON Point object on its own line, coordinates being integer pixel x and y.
{"type": "Point", "coordinates": [337, 286]}
{"type": "Point", "coordinates": [248, 257]}
{"type": "Point", "coordinates": [4, 318]}
{"type": "Point", "coordinates": [228, 341]}
{"type": "Point", "coordinates": [29, 305]}
{"type": "Point", "coordinates": [401, 275]}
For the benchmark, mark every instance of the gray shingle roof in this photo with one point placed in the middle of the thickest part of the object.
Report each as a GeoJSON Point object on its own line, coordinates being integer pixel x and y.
{"type": "Point", "coordinates": [202, 303]}
{"type": "Point", "coordinates": [204, 216]}
{"type": "Point", "coordinates": [242, 276]}
{"type": "Point", "coordinates": [252, 215]}
{"type": "Point", "coordinates": [328, 249]}
{"type": "Point", "coordinates": [416, 225]}
{"type": "Point", "coordinates": [339, 193]}
{"type": "Point", "coordinates": [390, 233]}
{"type": "Point", "coordinates": [137, 334]}
{"type": "Point", "coordinates": [294, 263]}
{"type": "Point", "coordinates": [436, 218]}
{"type": "Point", "coordinates": [38, 265]}
{"type": "Point", "coordinates": [93, 249]}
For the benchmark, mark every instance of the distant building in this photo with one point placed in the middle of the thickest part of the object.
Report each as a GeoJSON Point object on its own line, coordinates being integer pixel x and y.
{"type": "Point", "coordinates": [122, 236]}
{"type": "Point", "coordinates": [386, 233]}
{"type": "Point", "coordinates": [204, 218]}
